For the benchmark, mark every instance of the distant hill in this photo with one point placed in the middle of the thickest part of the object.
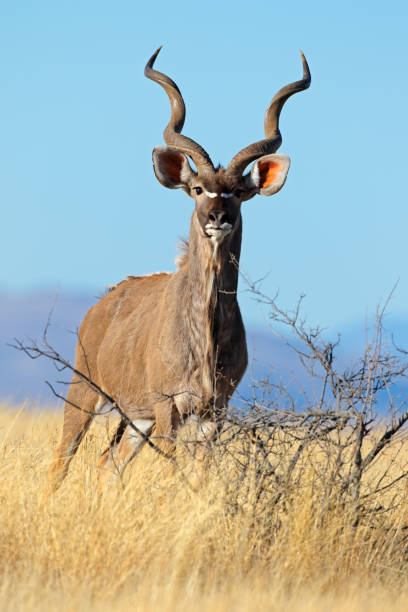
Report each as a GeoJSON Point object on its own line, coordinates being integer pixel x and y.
{"type": "Point", "coordinates": [24, 315]}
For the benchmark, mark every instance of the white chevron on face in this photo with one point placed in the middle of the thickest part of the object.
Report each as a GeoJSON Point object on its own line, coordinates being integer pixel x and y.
{"type": "Point", "coordinates": [209, 194]}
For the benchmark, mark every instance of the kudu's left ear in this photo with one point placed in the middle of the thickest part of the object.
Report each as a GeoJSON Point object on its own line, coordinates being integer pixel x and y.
{"type": "Point", "coordinates": [171, 168]}
{"type": "Point", "coordinates": [268, 174]}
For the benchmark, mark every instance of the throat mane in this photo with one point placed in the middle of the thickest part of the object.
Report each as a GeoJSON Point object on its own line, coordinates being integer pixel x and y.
{"type": "Point", "coordinates": [212, 277]}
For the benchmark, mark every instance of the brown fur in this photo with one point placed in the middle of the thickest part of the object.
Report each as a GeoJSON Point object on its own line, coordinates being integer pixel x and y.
{"type": "Point", "coordinates": [167, 346]}
{"type": "Point", "coordinates": [164, 346]}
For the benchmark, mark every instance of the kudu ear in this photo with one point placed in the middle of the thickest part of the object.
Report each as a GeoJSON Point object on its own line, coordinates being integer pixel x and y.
{"type": "Point", "coordinates": [171, 168]}
{"type": "Point", "coordinates": [268, 174]}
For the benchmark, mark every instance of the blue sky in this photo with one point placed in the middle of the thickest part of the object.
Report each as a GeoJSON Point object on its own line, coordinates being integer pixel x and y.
{"type": "Point", "coordinates": [80, 206]}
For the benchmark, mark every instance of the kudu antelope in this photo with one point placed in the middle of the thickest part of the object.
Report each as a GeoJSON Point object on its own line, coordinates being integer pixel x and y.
{"type": "Point", "coordinates": [170, 346]}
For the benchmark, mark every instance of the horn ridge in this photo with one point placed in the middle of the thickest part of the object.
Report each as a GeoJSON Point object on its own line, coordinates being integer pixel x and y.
{"type": "Point", "coordinates": [171, 134]}
{"type": "Point", "coordinates": [273, 139]}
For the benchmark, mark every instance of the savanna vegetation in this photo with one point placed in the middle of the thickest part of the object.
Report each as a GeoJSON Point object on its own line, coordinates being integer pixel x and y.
{"type": "Point", "coordinates": [299, 505]}
{"type": "Point", "coordinates": [155, 541]}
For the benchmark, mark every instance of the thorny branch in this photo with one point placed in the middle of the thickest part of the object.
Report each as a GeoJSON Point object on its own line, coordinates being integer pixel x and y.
{"type": "Point", "coordinates": [34, 351]}
{"type": "Point", "coordinates": [271, 441]}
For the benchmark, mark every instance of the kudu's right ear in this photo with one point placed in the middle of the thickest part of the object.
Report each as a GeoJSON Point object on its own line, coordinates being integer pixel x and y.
{"type": "Point", "coordinates": [171, 168]}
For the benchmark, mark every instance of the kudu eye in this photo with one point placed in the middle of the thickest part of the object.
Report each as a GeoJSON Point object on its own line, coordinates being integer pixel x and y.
{"type": "Point", "coordinates": [239, 192]}
{"type": "Point", "coordinates": [198, 190]}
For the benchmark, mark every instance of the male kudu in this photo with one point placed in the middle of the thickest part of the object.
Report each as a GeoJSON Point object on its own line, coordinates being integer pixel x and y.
{"type": "Point", "coordinates": [169, 346]}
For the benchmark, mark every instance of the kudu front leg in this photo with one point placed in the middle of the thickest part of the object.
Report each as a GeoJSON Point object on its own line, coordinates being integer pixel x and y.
{"type": "Point", "coordinates": [197, 440]}
{"type": "Point", "coordinates": [168, 421]}
{"type": "Point", "coordinates": [202, 433]}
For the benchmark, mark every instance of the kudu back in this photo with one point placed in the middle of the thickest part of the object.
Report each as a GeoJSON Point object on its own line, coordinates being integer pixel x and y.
{"type": "Point", "coordinates": [171, 346]}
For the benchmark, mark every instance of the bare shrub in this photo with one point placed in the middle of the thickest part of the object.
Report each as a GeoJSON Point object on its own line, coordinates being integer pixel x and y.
{"type": "Point", "coordinates": [273, 450]}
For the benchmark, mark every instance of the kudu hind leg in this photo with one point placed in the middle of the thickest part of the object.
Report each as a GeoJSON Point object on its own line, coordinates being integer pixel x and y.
{"type": "Point", "coordinates": [118, 456]}
{"type": "Point", "coordinates": [76, 424]}
{"type": "Point", "coordinates": [126, 444]}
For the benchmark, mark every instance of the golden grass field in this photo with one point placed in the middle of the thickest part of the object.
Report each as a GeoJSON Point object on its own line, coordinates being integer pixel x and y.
{"type": "Point", "coordinates": [151, 543]}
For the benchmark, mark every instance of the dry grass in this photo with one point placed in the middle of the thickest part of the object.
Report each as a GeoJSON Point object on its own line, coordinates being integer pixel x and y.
{"type": "Point", "coordinates": [150, 543]}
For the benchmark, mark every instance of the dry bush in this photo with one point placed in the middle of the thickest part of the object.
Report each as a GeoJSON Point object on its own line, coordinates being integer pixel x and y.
{"type": "Point", "coordinates": [149, 542]}
{"type": "Point", "coordinates": [293, 509]}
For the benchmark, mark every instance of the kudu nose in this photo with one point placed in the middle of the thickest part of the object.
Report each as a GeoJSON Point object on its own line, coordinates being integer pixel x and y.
{"type": "Point", "coordinates": [217, 218]}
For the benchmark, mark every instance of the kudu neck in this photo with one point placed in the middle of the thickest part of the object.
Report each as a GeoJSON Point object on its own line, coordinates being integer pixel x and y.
{"type": "Point", "coordinates": [218, 262]}
{"type": "Point", "coordinates": [211, 300]}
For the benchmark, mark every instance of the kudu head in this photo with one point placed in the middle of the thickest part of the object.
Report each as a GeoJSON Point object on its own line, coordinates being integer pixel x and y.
{"type": "Point", "coordinates": [218, 192]}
